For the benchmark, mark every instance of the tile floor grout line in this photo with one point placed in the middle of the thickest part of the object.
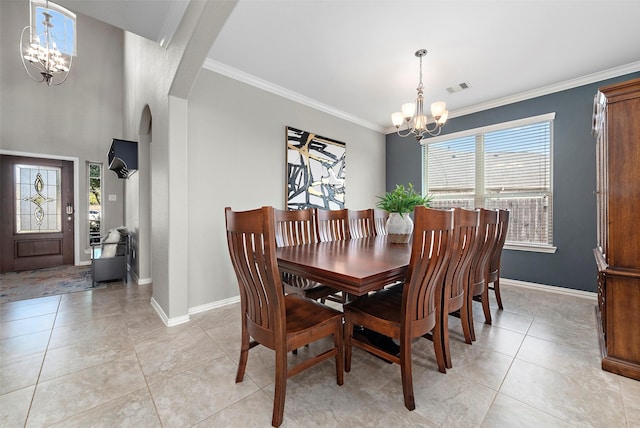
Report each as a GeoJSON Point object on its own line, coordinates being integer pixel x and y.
{"type": "Point", "coordinates": [44, 358]}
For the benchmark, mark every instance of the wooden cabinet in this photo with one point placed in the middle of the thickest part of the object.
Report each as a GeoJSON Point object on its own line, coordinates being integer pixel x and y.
{"type": "Point", "coordinates": [616, 125]}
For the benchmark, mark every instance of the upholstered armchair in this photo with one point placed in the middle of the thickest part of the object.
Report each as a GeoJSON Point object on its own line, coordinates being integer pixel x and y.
{"type": "Point", "coordinates": [110, 256]}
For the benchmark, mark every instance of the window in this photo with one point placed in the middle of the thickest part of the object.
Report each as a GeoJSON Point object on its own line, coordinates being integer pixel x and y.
{"type": "Point", "coordinates": [505, 166]}
{"type": "Point", "coordinates": [63, 30]}
{"type": "Point", "coordinates": [37, 199]}
{"type": "Point", "coordinates": [95, 201]}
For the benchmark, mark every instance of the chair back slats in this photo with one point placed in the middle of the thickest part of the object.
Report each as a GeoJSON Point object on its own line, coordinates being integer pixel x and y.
{"type": "Point", "coordinates": [380, 217]}
{"type": "Point", "coordinates": [430, 254]}
{"type": "Point", "coordinates": [361, 223]}
{"type": "Point", "coordinates": [332, 225]}
{"type": "Point", "coordinates": [252, 250]}
{"type": "Point", "coordinates": [295, 227]}
{"type": "Point", "coordinates": [502, 229]}
{"type": "Point", "coordinates": [465, 246]}
{"type": "Point", "coordinates": [487, 234]}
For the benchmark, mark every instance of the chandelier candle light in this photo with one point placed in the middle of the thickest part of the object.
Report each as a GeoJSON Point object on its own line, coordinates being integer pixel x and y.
{"type": "Point", "coordinates": [41, 52]}
{"type": "Point", "coordinates": [415, 112]}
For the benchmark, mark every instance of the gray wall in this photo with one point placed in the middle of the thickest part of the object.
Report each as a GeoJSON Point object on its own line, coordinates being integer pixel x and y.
{"type": "Point", "coordinates": [574, 217]}
{"type": "Point", "coordinates": [76, 119]}
{"type": "Point", "coordinates": [237, 158]}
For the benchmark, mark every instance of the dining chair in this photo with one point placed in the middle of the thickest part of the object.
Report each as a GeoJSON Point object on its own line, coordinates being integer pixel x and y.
{"type": "Point", "coordinates": [361, 223]}
{"type": "Point", "coordinates": [407, 311]}
{"type": "Point", "coordinates": [332, 225]}
{"type": "Point", "coordinates": [456, 282]}
{"type": "Point", "coordinates": [380, 217]}
{"type": "Point", "coordinates": [297, 227]}
{"type": "Point", "coordinates": [494, 263]}
{"type": "Point", "coordinates": [269, 317]}
{"type": "Point", "coordinates": [478, 291]}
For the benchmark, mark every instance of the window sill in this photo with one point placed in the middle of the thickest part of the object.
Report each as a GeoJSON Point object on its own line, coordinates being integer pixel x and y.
{"type": "Point", "coordinates": [548, 249]}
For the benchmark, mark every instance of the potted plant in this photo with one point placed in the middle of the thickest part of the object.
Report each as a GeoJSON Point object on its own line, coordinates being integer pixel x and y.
{"type": "Point", "coordinates": [400, 201]}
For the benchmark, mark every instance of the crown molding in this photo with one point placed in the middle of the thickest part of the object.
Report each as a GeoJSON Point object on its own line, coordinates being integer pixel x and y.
{"type": "Point", "coordinates": [550, 89]}
{"type": "Point", "coordinates": [233, 73]}
{"type": "Point", "coordinates": [249, 79]}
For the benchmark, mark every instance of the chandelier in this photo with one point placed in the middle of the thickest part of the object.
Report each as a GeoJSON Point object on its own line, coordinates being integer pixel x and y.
{"type": "Point", "coordinates": [413, 117]}
{"type": "Point", "coordinates": [41, 54]}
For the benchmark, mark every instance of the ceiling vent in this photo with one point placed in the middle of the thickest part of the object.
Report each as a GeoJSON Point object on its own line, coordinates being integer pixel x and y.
{"type": "Point", "coordinates": [123, 157]}
{"type": "Point", "coordinates": [459, 87]}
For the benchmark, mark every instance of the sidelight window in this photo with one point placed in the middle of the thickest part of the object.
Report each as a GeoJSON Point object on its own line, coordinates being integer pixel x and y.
{"type": "Point", "coordinates": [95, 202]}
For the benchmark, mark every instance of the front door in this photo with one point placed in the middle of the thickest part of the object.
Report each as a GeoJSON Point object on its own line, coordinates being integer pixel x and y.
{"type": "Point", "coordinates": [36, 213]}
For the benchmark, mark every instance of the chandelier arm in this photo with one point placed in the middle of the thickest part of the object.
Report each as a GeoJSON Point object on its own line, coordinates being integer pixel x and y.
{"type": "Point", "coordinates": [435, 127]}
{"type": "Point", "coordinates": [22, 57]}
{"type": "Point", "coordinates": [409, 132]}
{"type": "Point", "coordinates": [66, 72]}
{"type": "Point", "coordinates": [432, 132]}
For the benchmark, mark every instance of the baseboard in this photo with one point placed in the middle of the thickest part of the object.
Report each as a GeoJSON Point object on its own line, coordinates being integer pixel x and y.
{"type": "Point", "coordinates": [214, 305]}
{"type": "Point", "coordinates": [169, 322]}
{"type": "Point", "coordinates": [137, 279]}
{"type": "Point", "coordinates": [549, 288]}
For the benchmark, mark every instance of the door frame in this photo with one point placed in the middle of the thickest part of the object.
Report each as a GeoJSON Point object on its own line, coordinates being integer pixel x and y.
{"type": "Point", "coordinates": [76, 195]}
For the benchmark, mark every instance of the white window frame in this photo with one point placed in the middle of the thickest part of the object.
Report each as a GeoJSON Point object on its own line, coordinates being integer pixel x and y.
{"type": "Point", "coordinates": [101, 179]}
{"type": "Point", "coordinates": [479, 132]}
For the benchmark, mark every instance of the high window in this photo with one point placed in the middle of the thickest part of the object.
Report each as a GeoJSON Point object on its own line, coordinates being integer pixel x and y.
{"type": "Point", "coordinates": [506, 166]}
{"type": "Point", "coordinates": [95, 201]}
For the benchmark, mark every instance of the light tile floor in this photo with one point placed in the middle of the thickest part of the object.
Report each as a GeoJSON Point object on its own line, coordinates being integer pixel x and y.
{"type": "Point", "coordinates": [104, 358]}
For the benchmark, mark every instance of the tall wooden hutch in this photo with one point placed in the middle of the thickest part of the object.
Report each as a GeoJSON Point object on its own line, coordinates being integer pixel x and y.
{"type": "Point", "coordinates": [616, 125]}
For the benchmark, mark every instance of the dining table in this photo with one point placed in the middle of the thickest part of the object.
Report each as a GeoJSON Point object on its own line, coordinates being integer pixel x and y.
{"type": "Point", "coordinates": [354, 266]}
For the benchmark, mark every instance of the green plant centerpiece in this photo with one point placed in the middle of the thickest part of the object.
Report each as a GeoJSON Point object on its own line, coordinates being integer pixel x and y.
{"type": "Point", "coordinates": [399, 203]}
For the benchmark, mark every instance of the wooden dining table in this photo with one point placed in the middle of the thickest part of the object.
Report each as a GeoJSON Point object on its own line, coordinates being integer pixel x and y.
{"type": "Point", "coordinates": [355, 266]}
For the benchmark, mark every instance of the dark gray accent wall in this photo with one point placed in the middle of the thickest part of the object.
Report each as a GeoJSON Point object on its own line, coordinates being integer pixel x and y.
{"type": "Point", "coordinates": [574, 181]}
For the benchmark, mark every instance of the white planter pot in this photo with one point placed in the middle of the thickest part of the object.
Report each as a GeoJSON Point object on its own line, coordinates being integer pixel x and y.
{"type": "Point", "coordinates": [399, 228]}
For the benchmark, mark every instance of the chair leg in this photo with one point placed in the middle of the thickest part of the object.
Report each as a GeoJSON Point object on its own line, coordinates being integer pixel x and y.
{"type": "Point", "coordinates": [438, 345]}
{"type": "Point", "coordinates": [280, 387]}
{"type": "Point", "coordinates": [496, 288]}
{"type": "Point", "coordinates": [407, 376]}
{"type": "Point", "coordinates": [472, 330]}
{"type": "Point", "coordinates": [348, 335]}
{"type": "Point", "coordinates": [485, 305]}
{"type": "Point", "coordinates": [244, 354]}
{"type": "Point", "coordinates": [464, 320]}
{"type": "Point", "coordinates": [446, 351]}
{"type": "Point", "coordinates": [338, 343]}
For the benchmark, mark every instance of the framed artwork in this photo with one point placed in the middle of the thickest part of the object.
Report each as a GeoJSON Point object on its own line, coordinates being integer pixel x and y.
{"type": "Point", "coordinates": [315, 171]}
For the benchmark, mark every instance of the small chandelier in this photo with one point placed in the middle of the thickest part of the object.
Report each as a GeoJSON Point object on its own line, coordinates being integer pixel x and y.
{"type": "Point", "coordinates": [413, 116]}
{"type": "Point", "coordinates": [41, 54]}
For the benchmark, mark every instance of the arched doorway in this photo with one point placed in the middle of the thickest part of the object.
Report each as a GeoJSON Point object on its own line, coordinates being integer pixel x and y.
{"type": "Point", "coordinates": [138, 211]}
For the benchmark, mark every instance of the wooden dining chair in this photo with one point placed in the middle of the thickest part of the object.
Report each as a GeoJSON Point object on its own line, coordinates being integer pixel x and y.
{"type": "Point", "coordinates": [332, 225]}
{"type": "Point", "coordinates": [456, 282]}
{"type": "Point", "coordinates": [269, 317]}
{"type": "Point", "coordinates": [407, 311]}
{"type": "Point", "coordinates": [297, 227]}
{"type": "Point", "coordinates": [493, 277]}
{"type": "Point", "coordinates": [361, 223]}
{"type": "Point", "coordinates": [478, 291]}
{"type": "Point", "coordinates": [380, 217]}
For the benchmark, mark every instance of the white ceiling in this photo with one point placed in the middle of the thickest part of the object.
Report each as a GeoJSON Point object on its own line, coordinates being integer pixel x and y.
{"type": "Point", "coordinates": [355, 58]}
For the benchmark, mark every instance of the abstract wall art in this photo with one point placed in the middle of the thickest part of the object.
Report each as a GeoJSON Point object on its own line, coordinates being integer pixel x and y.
{"type": "Point", "coordinates": [315, 171]}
